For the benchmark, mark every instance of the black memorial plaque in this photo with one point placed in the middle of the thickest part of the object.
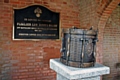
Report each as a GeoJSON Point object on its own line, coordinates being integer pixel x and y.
{"type": "Point", "coordinates": [35, 22]}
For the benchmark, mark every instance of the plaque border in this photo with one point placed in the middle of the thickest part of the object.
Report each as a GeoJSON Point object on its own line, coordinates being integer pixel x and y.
{"type": "Point", "coordinates": [13, 38]}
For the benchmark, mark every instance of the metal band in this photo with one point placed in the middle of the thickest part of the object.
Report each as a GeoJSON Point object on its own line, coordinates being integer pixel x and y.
{"type": "Point", "coordinates": [80, 31]}
{"type": "Point", "coordinates": [77, 64]}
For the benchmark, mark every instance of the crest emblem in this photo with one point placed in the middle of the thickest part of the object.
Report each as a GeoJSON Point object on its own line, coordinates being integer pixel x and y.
{"type": "Point", "coordinates": [38, 12]}
{"type": "Point", "coordinates": [89, 47]}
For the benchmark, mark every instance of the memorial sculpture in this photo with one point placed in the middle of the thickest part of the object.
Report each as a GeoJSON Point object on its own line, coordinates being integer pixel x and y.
{"type": "Point", "coordinates": [78, 52]}
{"type": "Point", "coordinates": [79, 47]}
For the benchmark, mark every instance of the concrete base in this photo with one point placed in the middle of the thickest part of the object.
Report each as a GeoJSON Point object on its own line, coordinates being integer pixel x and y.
{"type": "Point", "coordinates": [60, 77]}
{"type": "Point", "coordinates": [71, 73]}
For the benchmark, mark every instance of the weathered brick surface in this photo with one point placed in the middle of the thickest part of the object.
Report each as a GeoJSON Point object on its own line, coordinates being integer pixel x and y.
{"type": "Point", "coordinates": [88, 15]}
{"type": "Point", "coordinates": [103, 20]}
{"type": "Point", "coordinates": [104, 9]}
{"type": "Point", "coordinates": [29, 60]}
{"type": "Point", "coordinates": [91, 16]}
{"type": "Point", "coordinates": [111, 43]}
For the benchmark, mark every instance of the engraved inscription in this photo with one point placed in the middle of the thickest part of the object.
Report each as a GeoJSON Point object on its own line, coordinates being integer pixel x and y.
{"type": "Point", "coordinates": [36, 24]}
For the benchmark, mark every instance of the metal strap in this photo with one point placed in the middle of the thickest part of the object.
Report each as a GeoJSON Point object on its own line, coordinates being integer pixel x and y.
{"type": "Point", "coordinates": [76, 64]}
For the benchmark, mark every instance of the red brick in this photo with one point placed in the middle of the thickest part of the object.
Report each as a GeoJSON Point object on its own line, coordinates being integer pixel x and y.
{"type": "Point", "coordinates": [6, 1]}
{"type": "Point", "coordinates": [14, 2]}
{"type": "Point", "coordinates": [24, 53]}
{"type": "Point", "coordinates": [38, 1]}
{"type": "Point", "coordinates": [23, 76]}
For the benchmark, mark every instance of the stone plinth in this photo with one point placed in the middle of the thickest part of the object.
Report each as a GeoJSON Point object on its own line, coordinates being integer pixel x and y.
{"type": "Point", "coordinates": [71, 73]}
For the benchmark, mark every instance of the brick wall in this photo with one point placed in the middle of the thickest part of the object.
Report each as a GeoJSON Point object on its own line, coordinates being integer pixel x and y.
{"type": "Point", "coordinates": [111, 44]}
{"type": "Point", "coordinates": [29, 60]}
{"type": "Point", "coordinates": [106, 12]}
{"type": "Point", "coordinates": [101, 10]}
{"type": "Point", "coordinates": [88, 13]}
{"type": "Point", "coordinates": [91, 11]}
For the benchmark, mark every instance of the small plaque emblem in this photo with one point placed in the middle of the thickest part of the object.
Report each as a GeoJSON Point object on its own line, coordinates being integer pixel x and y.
{"type": "Point", "coordinates": [38, 11]}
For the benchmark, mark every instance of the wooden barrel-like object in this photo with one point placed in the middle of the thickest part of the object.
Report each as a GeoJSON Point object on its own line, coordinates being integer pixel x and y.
{"type": "Point", "coordinates": [78, 47]}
